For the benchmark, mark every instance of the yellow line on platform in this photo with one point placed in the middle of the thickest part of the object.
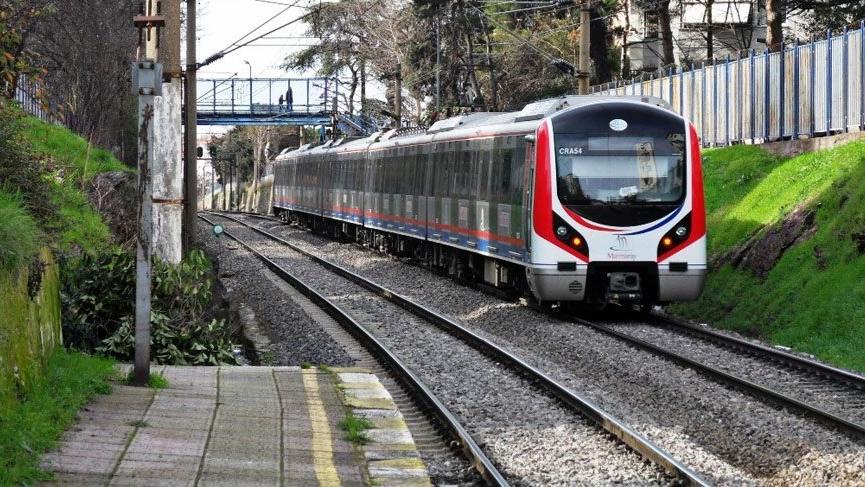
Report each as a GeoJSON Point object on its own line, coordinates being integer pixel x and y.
{"type": "Point", "coordinates": [322, 444]}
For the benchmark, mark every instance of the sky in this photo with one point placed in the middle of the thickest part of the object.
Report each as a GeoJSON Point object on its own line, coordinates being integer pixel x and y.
{"type": "Point", "coordinates": [222, 22]}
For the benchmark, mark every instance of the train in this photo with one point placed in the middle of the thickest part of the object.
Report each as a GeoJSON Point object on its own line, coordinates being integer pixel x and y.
{"type": "Point", "coordinates": [576, 199]}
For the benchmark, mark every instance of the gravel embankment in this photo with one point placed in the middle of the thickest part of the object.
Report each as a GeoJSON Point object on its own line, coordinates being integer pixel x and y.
{"type": "Point", "coordinates": [727, 436]}
{"type": "Point", "coordinates": [839, 399]}
{"type": "Point", "coordinates": [532, 438]}
{"type": "Point", "coordinates": [295, 337]}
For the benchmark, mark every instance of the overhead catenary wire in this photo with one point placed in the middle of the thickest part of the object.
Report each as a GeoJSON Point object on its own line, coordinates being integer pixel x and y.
{"type": "Point", "coordinates": [221, 54]}
{"type": "Point", "coordinates": [288, 6]}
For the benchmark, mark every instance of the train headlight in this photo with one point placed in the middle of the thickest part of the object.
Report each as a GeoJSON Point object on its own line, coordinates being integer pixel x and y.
{"type": "Point", "coordinates": [569, 236]}
{"type": "Point", "coordinates": [676, 236]}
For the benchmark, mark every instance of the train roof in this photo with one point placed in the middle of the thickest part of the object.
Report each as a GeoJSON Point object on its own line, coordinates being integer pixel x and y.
{"type": "Point", "coordinates": [470, 124]}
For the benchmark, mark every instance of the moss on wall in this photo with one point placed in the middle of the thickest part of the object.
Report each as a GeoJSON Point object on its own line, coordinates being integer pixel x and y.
{"type": "Point", "coordinates": [30, 327]}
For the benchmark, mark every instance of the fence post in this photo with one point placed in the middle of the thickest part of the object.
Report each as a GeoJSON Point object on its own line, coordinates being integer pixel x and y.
{"type": "Point", "coordinates": [862, 74]}
{"type": "Point", "coordinates": [829, 82]}
{"type": "Point", "coordinates": [782, 102]}
{"type": "Point", "coordinates": [714, 102]}
{"type": "Point", "coordinates": [753, 97]}
{"type": "Point", "coordinates": [846, 77]}
{"type": "Point", "coordinates": [693, 91]}
{"type": "Point", "coordinates": [682, 90]}
{"type": "Point", "coordinates": [726, 100]}
{"type": "Point", "coordinates": [767, 94]}
{"type": "Point", "coordinates": [813, 90]}
{"type": "Point", "coordinates": [740, 86]}
{"type": "Point", "coordinates": [796, 66]}
{"type": "Point", "coordinates": [703, 103]}
{"type": "Point", "coordinates": [670, 82]}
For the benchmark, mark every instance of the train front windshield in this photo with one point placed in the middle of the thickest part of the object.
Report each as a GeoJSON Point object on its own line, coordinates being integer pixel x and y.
{"type": "Point", "coordinates": [620, 163]}
{"type": "Point", "coordinates": [614, 170]}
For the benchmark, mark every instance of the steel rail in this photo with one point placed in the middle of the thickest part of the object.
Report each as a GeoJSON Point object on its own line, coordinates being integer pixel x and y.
{"type": "Point", "coordinates": [627, 435]}
{"type": "Point", "coordinates": [853, 429]}
{"type": "Point", "coordinates": [422, 393]}
{"type": "Point", "coordinates": [791, 360]}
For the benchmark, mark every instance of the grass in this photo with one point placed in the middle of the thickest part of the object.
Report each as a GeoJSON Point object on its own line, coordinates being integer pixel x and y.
{"type": "Point", "coordinates": [49, 407]}
{"type": "Point", "coordinates": [73, 162]}
{"type": "Point", "coordinates": [19, 234]}
{"type": "Point", "coordinates": [811, 300]}
{"type": "Point", "coordinates": [66, 147]}
{"type": "Point", "coordinates": [355, 429]}
{"type": "Point", "coordinates": [156, 381]}
{"type": "Point", "coordinates": [306, 365]}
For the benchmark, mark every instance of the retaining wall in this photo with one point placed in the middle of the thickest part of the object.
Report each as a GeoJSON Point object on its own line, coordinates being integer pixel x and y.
{"type": "Point", "coordinates": [30, 328]}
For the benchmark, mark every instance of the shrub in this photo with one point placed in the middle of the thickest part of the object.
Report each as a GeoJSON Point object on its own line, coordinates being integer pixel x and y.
{"type": "Point", "coordinates": [99, 310]}
{"type": "Point", "coordinates": [173, 343]}
{"type": "Point", "coordinates": [98, 293]}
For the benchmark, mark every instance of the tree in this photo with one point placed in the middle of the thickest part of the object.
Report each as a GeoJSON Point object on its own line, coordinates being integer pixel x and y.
{"type": "Point", "coordinates": [84, 48]}
{"type": "Point", "coordinates": [774, 18]}
{"type": "Point", "coordinates": [336, 25]}
{"type": "Point", "coordinates": [18, 18]}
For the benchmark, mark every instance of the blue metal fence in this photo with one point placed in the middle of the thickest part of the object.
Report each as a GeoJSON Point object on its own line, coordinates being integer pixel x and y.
{"type": "Point", "coordinates": [810, 89]}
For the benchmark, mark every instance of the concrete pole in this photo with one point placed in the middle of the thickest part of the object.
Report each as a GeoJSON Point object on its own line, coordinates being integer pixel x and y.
{"type": "Point", "coordinates": [190, 172]}
{"type": "Point", "coordinates": [585, 45]}
{"type": "Point", "coordinates": [145, 236]}
{"type": "Point", "coordinates": [167, 142]}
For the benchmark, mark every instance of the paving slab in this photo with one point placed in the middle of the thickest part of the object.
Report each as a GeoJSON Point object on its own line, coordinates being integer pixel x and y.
{"type": "Point", "coordinates": [237, 426]}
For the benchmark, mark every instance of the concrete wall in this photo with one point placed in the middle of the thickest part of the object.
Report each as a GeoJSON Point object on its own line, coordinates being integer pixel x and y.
{"type": "Point", "coordinates": [262, 204]}
{"type": "Point", "coordinates": [30, 327]}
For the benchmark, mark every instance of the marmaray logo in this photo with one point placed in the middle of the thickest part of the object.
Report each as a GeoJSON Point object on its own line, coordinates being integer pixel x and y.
{"type": "Point", "coordinates": [621, 244]}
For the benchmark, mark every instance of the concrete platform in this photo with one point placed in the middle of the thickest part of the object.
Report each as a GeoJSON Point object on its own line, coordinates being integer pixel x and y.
{"type": "Point", "coordinates": [220, 426]}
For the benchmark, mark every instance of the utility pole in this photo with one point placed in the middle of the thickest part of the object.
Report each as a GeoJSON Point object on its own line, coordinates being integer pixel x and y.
{"type": "Point", "coordinates": [397, 97]}
{"type": "Point", "coordinates": [438, 64]}
{"type": "Point", "coordinates": [585, 41]}
{"type": "Point", "coordinates": [190, 173]}
{"type": "Point", "coordinates": [147, 84]}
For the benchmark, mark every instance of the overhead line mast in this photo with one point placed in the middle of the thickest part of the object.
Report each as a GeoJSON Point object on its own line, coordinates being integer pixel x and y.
{"type": "Point", "coordinates": [585, 44]}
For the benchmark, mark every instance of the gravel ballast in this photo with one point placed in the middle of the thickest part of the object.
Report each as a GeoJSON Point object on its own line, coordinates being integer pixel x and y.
{"type": "Point", "coordinates": [532, 438]}
{"type": "Point", "coordinates": [727, 436]}
{"type": "Point", "coordinates": [295, 337]}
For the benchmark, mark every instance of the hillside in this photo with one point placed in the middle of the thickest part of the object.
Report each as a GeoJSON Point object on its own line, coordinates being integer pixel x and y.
{"type": "Point", "coordinates": [786, 244]}
{"type": "Point", "coordinates": [49, 169]}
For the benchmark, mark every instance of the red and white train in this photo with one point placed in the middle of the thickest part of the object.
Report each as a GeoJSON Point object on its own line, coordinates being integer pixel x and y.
{"type": "Point", "coordinates": [592, 199]}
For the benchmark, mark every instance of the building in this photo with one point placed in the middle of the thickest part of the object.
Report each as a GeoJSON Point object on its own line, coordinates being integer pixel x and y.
{"type": "Point", "coordinates": [736, 26]}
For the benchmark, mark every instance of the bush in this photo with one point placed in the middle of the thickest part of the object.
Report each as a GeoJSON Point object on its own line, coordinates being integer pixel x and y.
{"type": "Point", "coordinates": [195, 343]}
{"type": "Point", "coordinates": [19, 234]}
{"type": "Point", "coordinates": [99, 310]}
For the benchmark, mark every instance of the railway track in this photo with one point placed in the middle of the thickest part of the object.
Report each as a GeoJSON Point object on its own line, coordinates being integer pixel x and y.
{"type": "Point", "coordinates": [832, 396]}
{"type": "Point", "coordinates": [487, 352]}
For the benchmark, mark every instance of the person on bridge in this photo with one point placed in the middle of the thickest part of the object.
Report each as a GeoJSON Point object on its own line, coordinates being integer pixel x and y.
{"type": "Point", "coordinates": [281, 101]}
{"type": "Point", "coordinates": [289, 98]}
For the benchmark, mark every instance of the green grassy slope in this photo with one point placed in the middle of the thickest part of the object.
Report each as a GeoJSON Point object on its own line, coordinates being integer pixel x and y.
{"type": "Point", "coordinates": [810, 306]}
{"type": "Point", "coordinates": [74, 163]}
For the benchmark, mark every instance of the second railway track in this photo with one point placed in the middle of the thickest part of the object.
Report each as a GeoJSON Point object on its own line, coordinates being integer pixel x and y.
{"type": "Point", "coordinates": [830, 395]}
{"type": "Point", "coordinates": [515, 409]}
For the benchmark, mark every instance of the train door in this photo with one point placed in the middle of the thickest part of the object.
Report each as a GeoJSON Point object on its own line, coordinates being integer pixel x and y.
{"type": "Point", "coordinates": [528, 190]}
